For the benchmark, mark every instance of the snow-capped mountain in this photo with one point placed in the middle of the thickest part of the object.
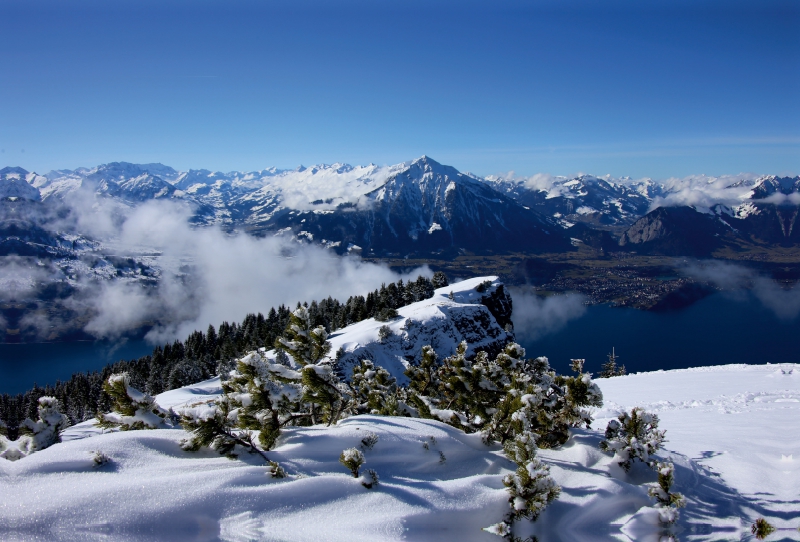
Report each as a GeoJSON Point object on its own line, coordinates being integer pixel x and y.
{"type": "Point", "coordinates": [589, 199]}
{"type": "Point", "coordinates": [426, 207]}
{"type": "Point", "coordinates": [422, 207]}
{"type": "Point", "coordinates": [15, 182]}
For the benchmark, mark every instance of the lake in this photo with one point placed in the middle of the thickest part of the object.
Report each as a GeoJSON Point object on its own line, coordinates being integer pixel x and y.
{"type": "Point", "coordinates": [43, 363]}
{"type": "Point", "coordinates": [716, 330]}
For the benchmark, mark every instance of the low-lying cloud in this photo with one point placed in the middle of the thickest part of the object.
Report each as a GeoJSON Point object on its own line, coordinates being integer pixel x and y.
{"type": "Point", "coordinates": [207, 276]}
{"type": "Point", "coordinates": [535, 316]}
{"type": "Point", "coordinates": [784, 302]}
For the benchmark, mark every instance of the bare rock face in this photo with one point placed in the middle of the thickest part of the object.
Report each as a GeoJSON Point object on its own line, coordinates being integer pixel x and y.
{"type": "Point", "coordinates": [677, 231]}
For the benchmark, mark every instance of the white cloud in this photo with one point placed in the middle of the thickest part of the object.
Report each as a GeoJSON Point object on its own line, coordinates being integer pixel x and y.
{"type": "Point", "coordinates": [228, 275]}
{"type": "Point", "coordinates": [535, 316]}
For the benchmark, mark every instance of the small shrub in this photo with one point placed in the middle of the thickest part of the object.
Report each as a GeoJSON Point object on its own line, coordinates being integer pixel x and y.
{"type": "Point", "coordinates": [762, 528]}
{"type": "Point", "coordinates": [352, 458]}
{"type": "Point", "coordinates": [369, 441]}
{"type": "Point", "coordinates": [667, 502]}
{"type": "Point", "coordinates": [386, 314]}
{"type": "Point", "coordinates": [371, 480]}
{"type": "Point", "coordinates": [384, 333]}
{"type": "Point", "coordinates": [275, 471]}
{"type": "Point", "coordinates": [633, 436]}
{"type": "Point", "coordinates": [99, 458]}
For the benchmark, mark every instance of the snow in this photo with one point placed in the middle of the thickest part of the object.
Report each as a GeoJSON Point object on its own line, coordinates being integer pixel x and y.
{"type": "Point", "coordinates": [731, 433]}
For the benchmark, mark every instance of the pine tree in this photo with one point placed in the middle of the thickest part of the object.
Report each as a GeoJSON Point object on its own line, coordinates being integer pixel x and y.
{"type": "Point", "coordinates": [132, 409]}
{"type": "Point", "coordinates": [35, 435]}
{"type": "Point", "coordinates": [667, 502]}
{"type": "Point", "coordinates": [439, 280]}
{"type": "Point", "coordinates": [610, 367]}
{"type": "Point", "coordinates": [633, 436]}
{"type": "Point", "coordinates": [374, 390]}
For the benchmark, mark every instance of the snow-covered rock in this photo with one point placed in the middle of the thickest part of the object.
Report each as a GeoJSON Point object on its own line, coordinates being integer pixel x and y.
{"type": "Point", "coordinates": [440, 321]}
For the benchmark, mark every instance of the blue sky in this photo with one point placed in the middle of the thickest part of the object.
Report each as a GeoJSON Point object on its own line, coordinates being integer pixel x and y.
{"type": "Point", "coordinates": [628, 88]}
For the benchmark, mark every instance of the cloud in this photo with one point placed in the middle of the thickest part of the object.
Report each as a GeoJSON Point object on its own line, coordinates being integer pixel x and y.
{"type": "Point", "coordinates": [209, 276]}
{"type": "Point", "coordinates": [732, 278]}
{"type": "Point", "coordinates": [535, 316]}
{"type": "Point", "coordinates": [701, 191]}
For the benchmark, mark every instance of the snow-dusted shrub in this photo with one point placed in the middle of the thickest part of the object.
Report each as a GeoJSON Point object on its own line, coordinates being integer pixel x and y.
{"type": "Point", "coordinates": [44, 432]}
{"type": "Point", "coordinates": [762, 528]}
{"type": "Point", "coordinates": [275, 470]}
{"type": "Point", "coordinates": [369, 441]}
{"type": "Point", "coordinates": [99, 458]}
{"type": "Point", "coordinates": [633, 436]}
{"type": "Point", "coordinates": [308, 347]}
{"type": "Point", "coordinates": [667, 502]}
{"type": "Point", "coordinates": [352, 458]}
{"type": "Point", "coordinates": [374, 390]}
{"type": "Point", "coordinates": [35, 435]}
{"type": "Point", "coordinates": [511, 400]}
{"type": "Point", "coordinates": [263, 396]}
{"type": "Point", "coordinates": [370, 480]}
{"type": "Point", "coordinates": [384, 333]}
{"type": "Point", "coordinates": [132, 408]}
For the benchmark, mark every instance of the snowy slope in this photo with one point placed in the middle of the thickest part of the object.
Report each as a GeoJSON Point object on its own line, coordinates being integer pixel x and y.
{"type": "Point", "coordinates": [731, 430]}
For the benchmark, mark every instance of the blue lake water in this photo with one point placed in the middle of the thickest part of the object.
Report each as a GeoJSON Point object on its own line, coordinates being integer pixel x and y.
{"type": "Point", "coordinates": [716, 330]}
{"type": "Point", "coordinates": [43, 363]}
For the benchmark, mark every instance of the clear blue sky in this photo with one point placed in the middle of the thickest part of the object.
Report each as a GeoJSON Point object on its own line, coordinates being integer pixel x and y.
{"type": "Point", "coordinates": [628, 88]}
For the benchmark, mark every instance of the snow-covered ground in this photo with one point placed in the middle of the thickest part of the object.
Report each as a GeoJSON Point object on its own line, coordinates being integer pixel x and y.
{"type": "Point", "coordinates": [732, 432]}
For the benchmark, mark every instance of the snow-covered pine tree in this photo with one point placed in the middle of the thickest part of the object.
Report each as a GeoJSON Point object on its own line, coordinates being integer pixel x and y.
{"type": "Point", "coordinates": [352, 458]}
{"type": "Point", "coordinates": [633, 436]}
{"type": "Point", "coordinates": [258, 395]}
{"type": "Point", "coordinates": [132, 409]}
{"type": "Point", "coordinates": [667, 502]}
{"type": "Point", "coordinates": [374, 390]}
{"type": "Point", "coordinates": [531, 486]}
{"type": "Point", "coordinates": [40, 434]}
{"type": "Point", "coordinates": [439, 280]}
{"type": "Point", "coordinates": [308, 347]}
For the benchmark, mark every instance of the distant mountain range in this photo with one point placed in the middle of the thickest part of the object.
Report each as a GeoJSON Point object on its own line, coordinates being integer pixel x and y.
{"type": "Point", "coordinates": [423, 208]}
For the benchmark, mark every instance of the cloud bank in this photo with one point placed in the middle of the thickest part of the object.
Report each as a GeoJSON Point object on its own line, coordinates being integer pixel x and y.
{"type": "Point", "coordinates": [207, 276]}
{"type": "Point", "coordinates": [783, 302]}
{"type": "Point", "coordinates": [535, 316]}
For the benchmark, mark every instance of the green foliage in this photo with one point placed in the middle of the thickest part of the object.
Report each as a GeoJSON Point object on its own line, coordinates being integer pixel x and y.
{"type": "Point", "coordinates": [666, 501]}
{"type": "Point", "coordinates": [610, 368]}
{"type": "Point", "coordinates": [275, 470]}
{"type": "Point", "coordinates": [132, 409]}
{"type": "Point", "coordinates": [762, 528]}
{"type": "Point", "coordinates": [352, 458]}
{"type": "Point", "coordinates": [516, 401]}
{"type": "Point", "coordinates": [439, 280]}
{"type": "Point", "coordinates": [304, 342]}
{"type": "Point", "coordinates": [386, 314]}
{"type": "Point", "coordinates": [633, 436]}
{"type": "Point", "coordinates": [374, 390]}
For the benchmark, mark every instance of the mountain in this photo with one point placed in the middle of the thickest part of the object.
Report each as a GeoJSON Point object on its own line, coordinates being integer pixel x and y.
{"type": "Point", "coordinates": [428, 208]}
{"type": "Point", "coordinates": [585, 198]}
{"type": "Point", "coordinates": [423, 208]}
{"type": "Point", "coordinates": [15, 182]}
{"type": "Point", "coordinates": [677, 231]}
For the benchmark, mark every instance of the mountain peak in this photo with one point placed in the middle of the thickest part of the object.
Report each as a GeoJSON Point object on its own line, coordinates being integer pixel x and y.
{"type": "Point", "coordinates": [13, 170]}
